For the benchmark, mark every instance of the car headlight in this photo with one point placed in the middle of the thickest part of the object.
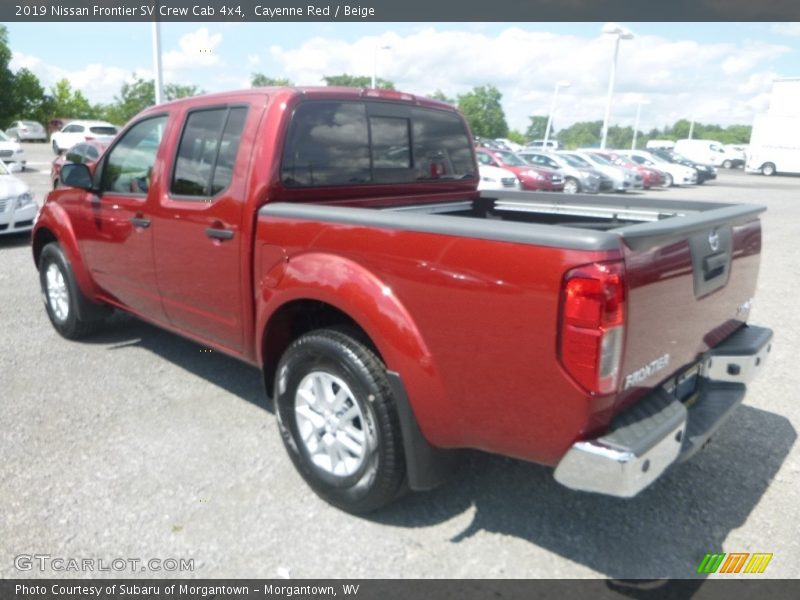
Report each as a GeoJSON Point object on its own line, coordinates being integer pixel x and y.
{"type": "Point", "coordinates": [24, 200]}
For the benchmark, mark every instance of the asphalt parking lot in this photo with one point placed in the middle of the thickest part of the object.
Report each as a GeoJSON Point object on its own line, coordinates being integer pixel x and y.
{"type": "Point", "coordinates": [137, 444]}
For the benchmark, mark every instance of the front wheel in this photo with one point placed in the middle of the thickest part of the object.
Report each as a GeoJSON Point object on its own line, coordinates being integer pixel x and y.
{"type": "Point", "coordinates": [338, 421]}
{"type": "Point", "coordinates": [61, 295]}
{"type": "Point", "coordinates": [668, 180]}
{"type": "Point", "coordinates": [768, 169]}
{"type": "Point", "coordinates": [726, 164]}
{"type": "Point", "coordinates": [56, 149]}
{"type": "Point", "coordinates": [571, 186]}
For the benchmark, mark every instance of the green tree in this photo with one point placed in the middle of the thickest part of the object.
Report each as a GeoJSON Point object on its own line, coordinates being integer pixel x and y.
{"type": "Point", "coordinates": [133, 98]}
{"type": "Point", "coordinates": [581, 135]}
{"type": "Point", "coordinates": [357, 81]}
{"type": "Point", "coordinates": [537, 128]}
{"type": "Point", "coordinates": [482, 109]}
{"type": "Point", "coordinates": [517, 137]}
{"type": "Point", "coordinates": [442, 97]}
{"type": "Point", "coordinates": [261, 80]}
{"type": "Point", "coordinates": [70, 103]}
{"type": "Point", "coordinates": [173, 91]}
{"type": "Point", "coordinates": [8, 106]}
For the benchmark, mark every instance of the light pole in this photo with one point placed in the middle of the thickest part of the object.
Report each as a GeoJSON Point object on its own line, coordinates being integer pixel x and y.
{"type": "Point", "coordinates": [157, 80]}
{"type": "Point", "coordinates": [559, 84]}
{"type": "Point", "coordinates": [636, 125]}
{"type": "Point", "coordinates": [375, 64]}
{"type": "Point", "coordinates": [620, 33]}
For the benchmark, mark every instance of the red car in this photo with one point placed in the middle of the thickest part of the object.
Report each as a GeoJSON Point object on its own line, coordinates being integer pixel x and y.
{"type": "Point", "coordinates": [85, 152]}
{"type": "Point", "coordinates": [650, 177]}
{"type": "Point", "coordinates": [532, 178]}
{"type": "Point", "coordinates": [336, 240]}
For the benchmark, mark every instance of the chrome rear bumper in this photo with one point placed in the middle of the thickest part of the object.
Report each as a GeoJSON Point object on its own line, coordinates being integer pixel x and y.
{"type": "Point", "coordinates": [644, 440]}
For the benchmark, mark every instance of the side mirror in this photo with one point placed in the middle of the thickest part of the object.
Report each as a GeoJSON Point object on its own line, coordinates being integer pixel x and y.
{"type": "Point", "coordinates": [77, 175]}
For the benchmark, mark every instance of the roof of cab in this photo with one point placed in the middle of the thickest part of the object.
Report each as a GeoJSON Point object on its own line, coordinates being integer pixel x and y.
{"type": "Point", "coordinates": [320, 93]}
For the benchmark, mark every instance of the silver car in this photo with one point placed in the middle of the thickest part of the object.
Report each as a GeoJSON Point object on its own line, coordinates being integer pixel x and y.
{"type": "Point", "coordinates": [577, 178]}
{"type": "Point", "coordinates": [26, 131]}
{"type": "Point", "coordinates": [624, 179]}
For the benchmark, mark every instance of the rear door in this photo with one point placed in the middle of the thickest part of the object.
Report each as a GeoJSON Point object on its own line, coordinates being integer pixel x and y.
{"type": "Point", "coordinates": [198, 227]}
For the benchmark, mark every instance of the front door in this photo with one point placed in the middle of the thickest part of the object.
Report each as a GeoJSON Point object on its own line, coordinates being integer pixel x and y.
{"type": "Point", "coordinates": [115, 232]}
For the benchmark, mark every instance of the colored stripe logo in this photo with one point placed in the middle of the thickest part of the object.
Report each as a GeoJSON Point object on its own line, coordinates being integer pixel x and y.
{"type": "Point", "coordinates": [734, 562]}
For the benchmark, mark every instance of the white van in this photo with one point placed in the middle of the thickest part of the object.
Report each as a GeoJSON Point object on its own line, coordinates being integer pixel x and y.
{"type": "Point", "coordinates": [708, 152]}
{"type": "Point", "coordinates": [774, 145]}
{"type": "Point", "coordinates": [656, 144]}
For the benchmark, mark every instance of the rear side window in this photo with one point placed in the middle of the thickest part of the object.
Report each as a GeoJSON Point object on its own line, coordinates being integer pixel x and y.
{"type": "Point", "coordinates": [207, 152]}
{"type": "Point", "coordinates": [346, 143]}
{"type": "Point", "coordinates": [328, 145]}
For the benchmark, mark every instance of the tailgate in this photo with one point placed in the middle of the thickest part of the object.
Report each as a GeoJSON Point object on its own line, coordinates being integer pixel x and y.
{"type": "Point", "coordinates": [691, 280]}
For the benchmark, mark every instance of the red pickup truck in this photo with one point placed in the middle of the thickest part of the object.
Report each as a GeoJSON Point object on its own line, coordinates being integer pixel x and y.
{"type": "Point", "coordinates": [336, 239]}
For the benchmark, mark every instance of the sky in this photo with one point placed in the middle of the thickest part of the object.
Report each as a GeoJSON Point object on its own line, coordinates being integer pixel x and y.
{"type": "Point", "coordinates": [710, 72]}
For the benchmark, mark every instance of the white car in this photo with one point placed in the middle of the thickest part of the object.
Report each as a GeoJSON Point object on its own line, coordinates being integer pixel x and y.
{"type": "Point", "coordinates": [11, 153]}
{"type": "Point", "coordinates": [76, 132]}
{"type": "Point", "coordinates": [495, 178]}
{"type": "Point", "coordinates": [676, 174]}
{"type": "Point", "coordinates": [17, 207]}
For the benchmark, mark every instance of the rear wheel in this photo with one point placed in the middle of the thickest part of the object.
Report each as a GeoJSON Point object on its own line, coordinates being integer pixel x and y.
{"type": "Point", "coordinates": [61, 295]}
{"type": "Point", "coordinates": [338, 420]}
{"type": "Point", "coordinates": [768, 169]}
{"type": "Point", "coordinates": [727, 164]}
{"type": "Point", "coordinates": [571, 186]}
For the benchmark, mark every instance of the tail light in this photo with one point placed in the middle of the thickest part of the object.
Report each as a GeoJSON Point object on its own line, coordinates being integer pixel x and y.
{"type": "Point", "coordinates": [592, 326]}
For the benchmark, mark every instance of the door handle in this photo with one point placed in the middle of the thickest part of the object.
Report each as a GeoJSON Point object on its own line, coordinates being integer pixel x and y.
{"type": "Point", "coordinates": [219, 234]}
{"type": "Point", "coordinates": [140, 222]}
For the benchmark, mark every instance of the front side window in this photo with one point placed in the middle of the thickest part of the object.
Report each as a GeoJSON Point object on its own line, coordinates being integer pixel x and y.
{"type": "Point", "coordinates": [128, 166]}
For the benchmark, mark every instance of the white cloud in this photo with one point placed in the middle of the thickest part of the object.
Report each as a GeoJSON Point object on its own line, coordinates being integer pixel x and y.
{"type": "Point", "coordinates": [98, 82]}
{"type": "Point", "coordinates": [198, 49]}
{"type": "Point", "coordinates": [791, 29]}
{"type": "Point", "coordinates": [253, 60]}
{"type": "Point", "coordinates": [713, 80]}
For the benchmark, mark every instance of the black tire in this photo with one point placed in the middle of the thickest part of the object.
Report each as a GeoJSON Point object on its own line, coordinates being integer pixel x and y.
{"type": "Point", "coordinates": [56, 149]}
{"type": "Point", "coordinates": [768, 169]}
{"type": "Point", "coordinates": [378, 475]}
{"type": "Point", "coordinates": [572, 186]}
{"type": "Point", "coordinates": [668, 180]}
{"type": "Point", "coordinates": [727, 164]}
{"type": "Point", "coordinates": [64, 315]}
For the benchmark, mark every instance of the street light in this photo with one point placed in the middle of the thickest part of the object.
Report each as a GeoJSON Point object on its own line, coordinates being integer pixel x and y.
{"type": "Point", "coordinates": [157, 80]}
{"type": "Point", "coordinates": [636, 125]}
{"type": "Point", "coordinates": [620, 33]}
{"type": "Point", "coordinates": [375, 64]}
{"type": "Point", "coordinates": [559, 84]}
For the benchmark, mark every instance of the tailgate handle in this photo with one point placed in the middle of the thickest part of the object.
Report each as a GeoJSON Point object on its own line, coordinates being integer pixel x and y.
{"type": "Point", "coordinates": [714, 265]}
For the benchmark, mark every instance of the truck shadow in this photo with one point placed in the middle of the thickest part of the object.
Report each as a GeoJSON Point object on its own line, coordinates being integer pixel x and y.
{"type": "Point", "coordinates": [234, 376]}
{"type": "Point", "coordinates": [663, 532]}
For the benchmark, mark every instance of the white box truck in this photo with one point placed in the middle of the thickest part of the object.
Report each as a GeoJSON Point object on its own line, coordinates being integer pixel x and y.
{"type": "Point", "coordinates": [775, 139]}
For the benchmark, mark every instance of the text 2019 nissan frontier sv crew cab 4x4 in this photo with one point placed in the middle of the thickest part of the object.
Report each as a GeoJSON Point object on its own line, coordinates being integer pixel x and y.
{"type": "Point", "coordinates": [336, 239]}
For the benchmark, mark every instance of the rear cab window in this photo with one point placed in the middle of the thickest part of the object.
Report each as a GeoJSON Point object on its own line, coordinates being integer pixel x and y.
{"type": "Point", "coordinates": [336, 143]}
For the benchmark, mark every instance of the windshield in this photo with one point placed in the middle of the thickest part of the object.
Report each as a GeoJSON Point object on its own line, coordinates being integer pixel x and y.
{"type": "Point", "coordinates": [103, 130]}
{"type": "Point", "coordinates": [576, 161]}
{"type": "Point", "coordinates": [599, 159]}
{"type": "Point", "coordinates": [3, 169]}
{"type": "Point", "coordinates": [3, 137]}
{"type": "Point", "coordinates": [511, 159]}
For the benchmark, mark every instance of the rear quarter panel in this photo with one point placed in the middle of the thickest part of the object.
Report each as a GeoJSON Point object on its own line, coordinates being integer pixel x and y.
{"type": "Point", "coordinates": [469, 324]}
